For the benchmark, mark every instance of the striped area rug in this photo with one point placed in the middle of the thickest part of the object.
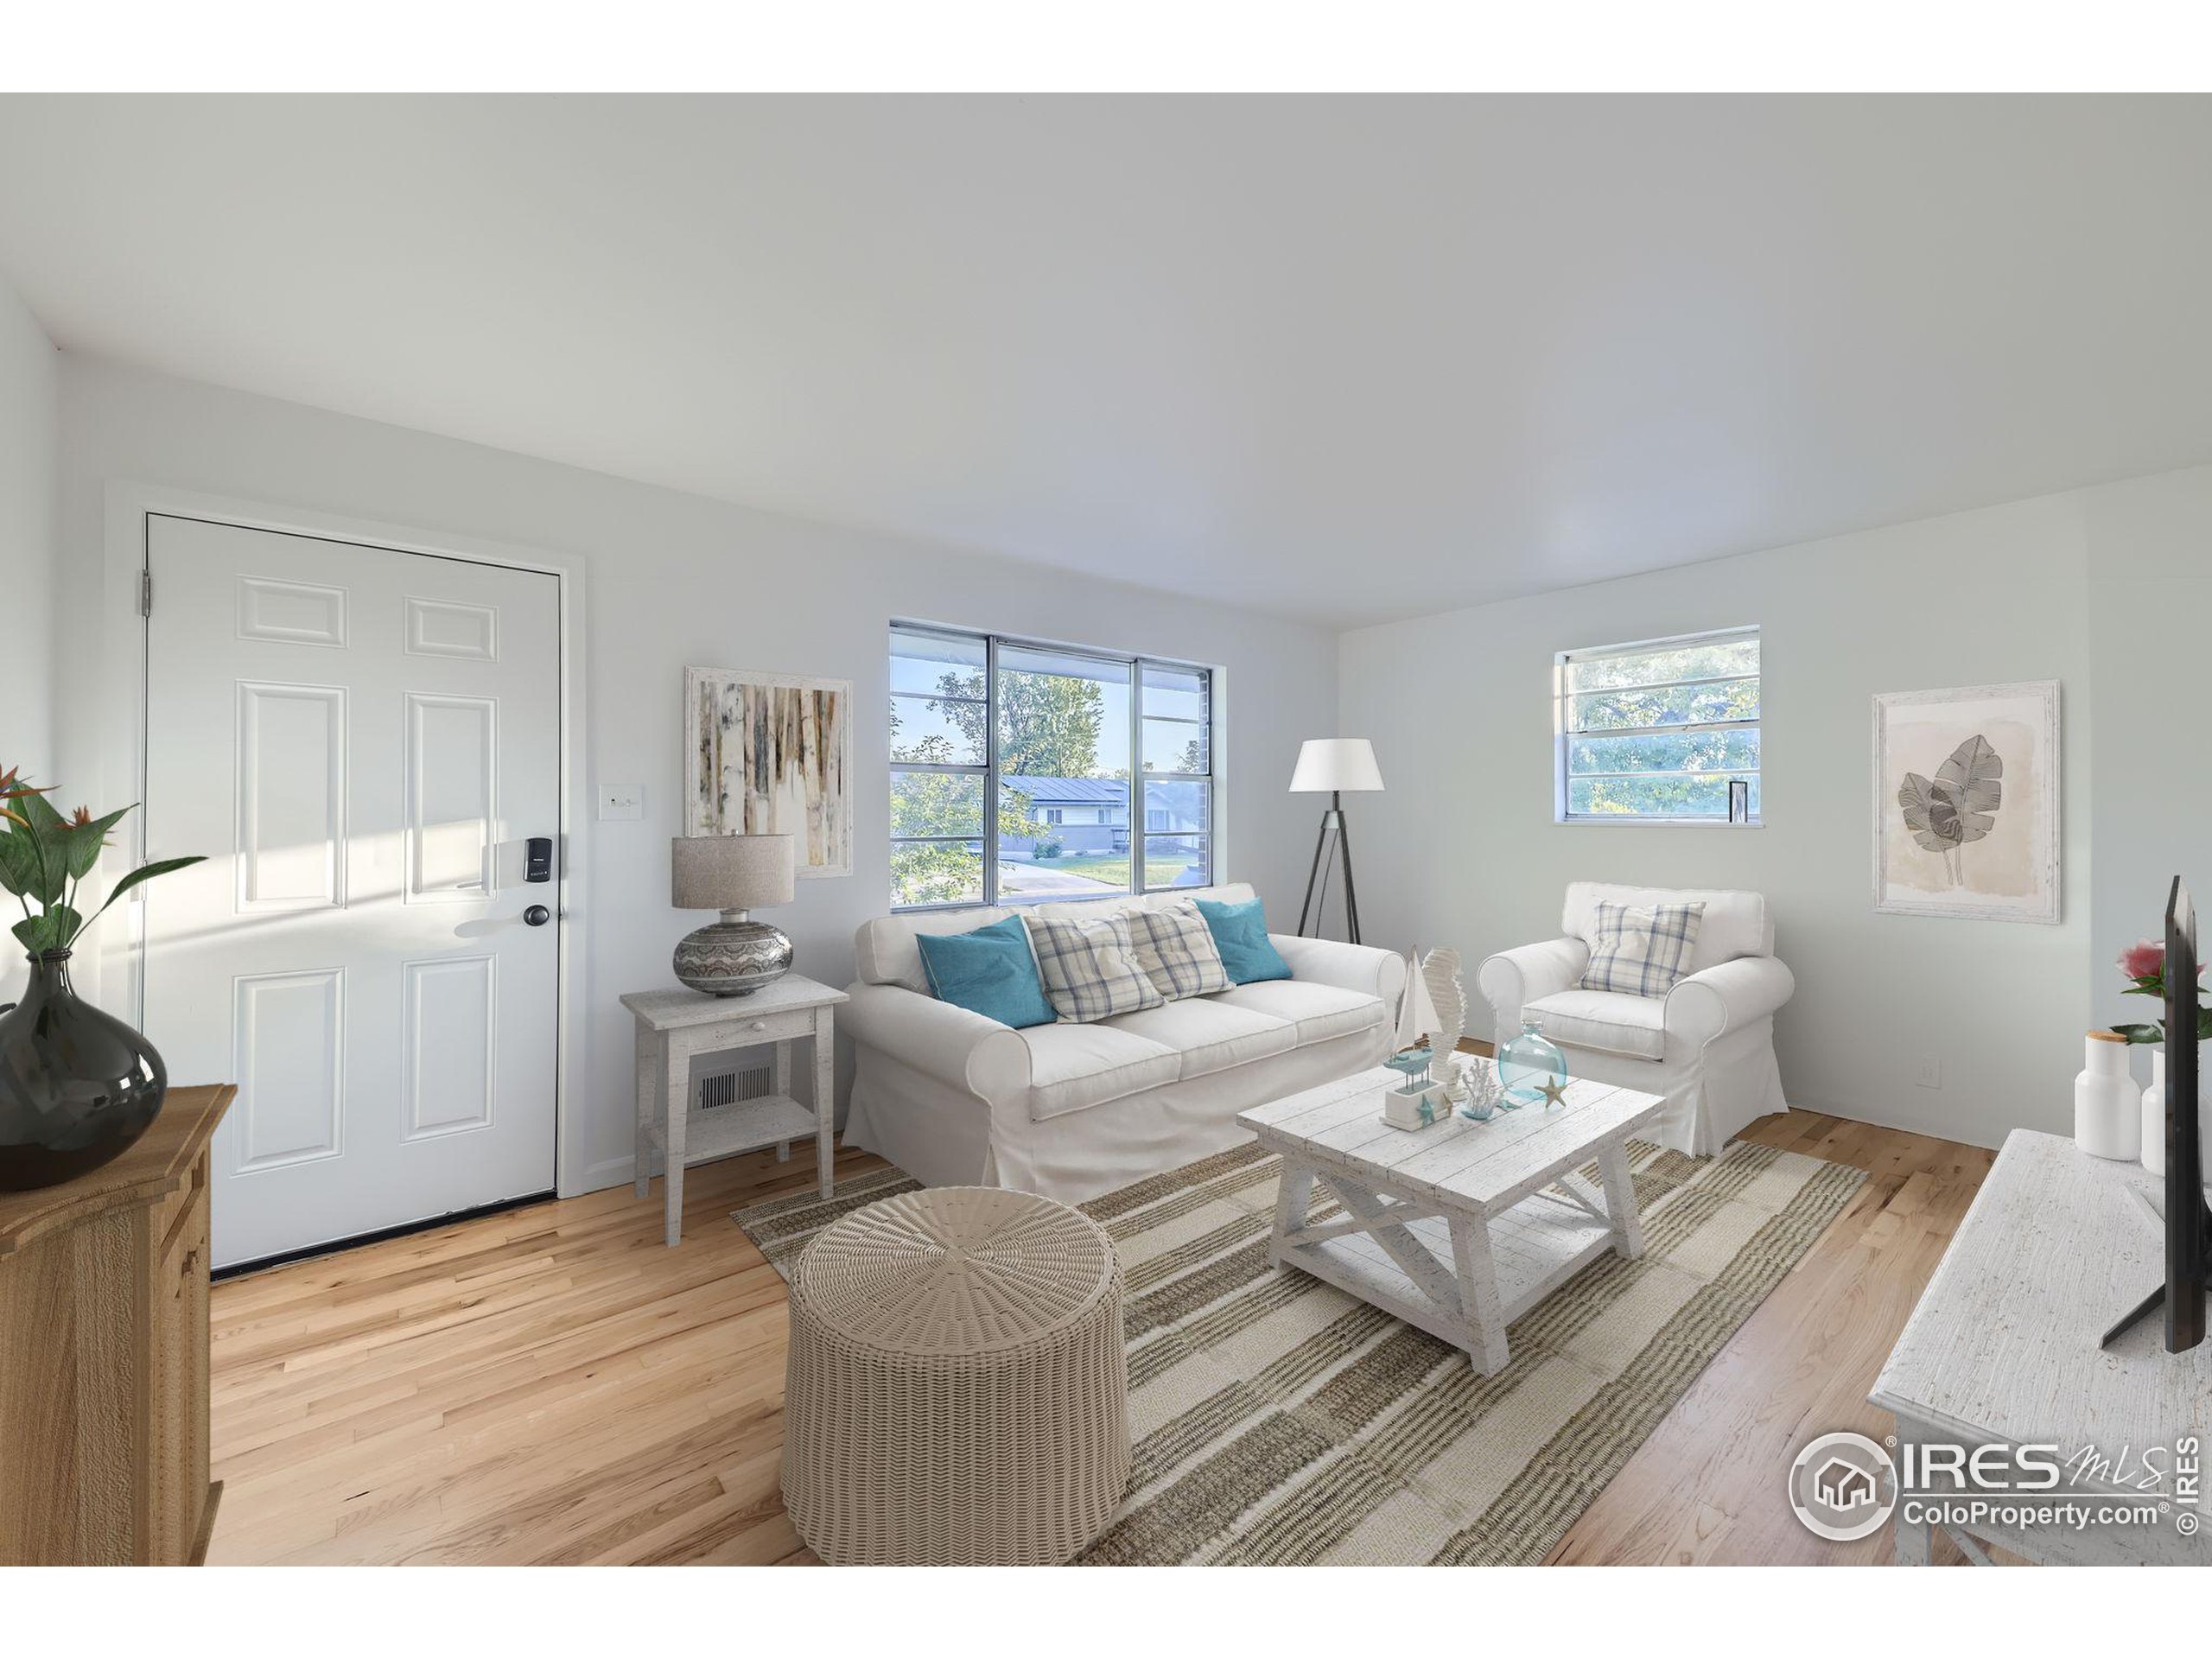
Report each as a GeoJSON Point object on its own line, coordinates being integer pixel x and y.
{"type": "Point", "coordinates": [1279, 1421]}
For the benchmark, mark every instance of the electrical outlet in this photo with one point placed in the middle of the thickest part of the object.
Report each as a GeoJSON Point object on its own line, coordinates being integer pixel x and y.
{"type": "Point", "coordinates": [625, 801]}
{"type": "Point", "coordinates": [1929, 1074]}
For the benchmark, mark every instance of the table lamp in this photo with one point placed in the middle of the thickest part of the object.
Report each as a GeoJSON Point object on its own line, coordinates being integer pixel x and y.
{"type": "Point", "coordinates": [1334, 765]}
{"type": "Point", "coordinates": [736, 956]}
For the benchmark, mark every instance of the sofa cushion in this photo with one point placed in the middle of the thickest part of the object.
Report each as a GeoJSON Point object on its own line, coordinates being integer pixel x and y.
{"type": "Point", "coordinates": [1175, 948]}
{"type": "Point", "coordinates": [1072, 1066]}
{"type": "Point", "coordinates": [1228, 892]}
{"type": "Point", "coordinates": [1734, 924]}
{"type": "Point", "coordinates": [1209, 1035]}
{"type": "Point", "coordinates": [1316, 1011]}
{"type": "Point", "coordinates": [1090, 966]}
{"type": "Point", "coordinates": [1641, 951]}
{"type": "Point", "coordinates": [884, 951]}
{"type": "Point", "coordinates": [1611, 1022]}
{"type": "Point", "coordinates": [1241, 933]}
{"type": "Point", "coordinates": [990, 971]}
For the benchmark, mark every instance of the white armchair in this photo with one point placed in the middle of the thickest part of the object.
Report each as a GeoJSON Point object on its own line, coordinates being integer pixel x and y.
{"type": "Point", "coordinates": [1707, 1045]}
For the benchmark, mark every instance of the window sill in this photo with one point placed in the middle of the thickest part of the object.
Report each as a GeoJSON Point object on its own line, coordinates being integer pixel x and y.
{"type": "Point", "coordinates": [1628, 821]}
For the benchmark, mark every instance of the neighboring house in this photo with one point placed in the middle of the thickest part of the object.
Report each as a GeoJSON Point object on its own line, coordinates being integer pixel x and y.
{"type": "Point", "coordinates": [1086, 815]}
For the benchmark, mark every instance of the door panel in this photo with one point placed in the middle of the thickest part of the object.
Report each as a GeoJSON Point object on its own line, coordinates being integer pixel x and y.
{"type": "Point", "coordinates": [349, 733]}
{"type": "Point", "coordinates": [291, 784]}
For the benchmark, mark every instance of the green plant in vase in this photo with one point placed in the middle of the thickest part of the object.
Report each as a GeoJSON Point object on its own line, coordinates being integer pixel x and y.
{"type": "Point", "coordinates": [44, 859]}
{"type": "Point", "coordinates": [77, 1085]}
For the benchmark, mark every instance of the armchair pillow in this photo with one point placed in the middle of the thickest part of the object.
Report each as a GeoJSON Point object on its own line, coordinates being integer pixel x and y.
{"type": "Point", "coordinates": [990, 971]}
{"type": "Point", "coordinates": [1239, 932]}
{"type": "Point", "coordinates": [1638, 950]}
{"type": "Point", "coordinates": [1090, 966]}
{"type": "Point", "coordinates": [1175, 948]}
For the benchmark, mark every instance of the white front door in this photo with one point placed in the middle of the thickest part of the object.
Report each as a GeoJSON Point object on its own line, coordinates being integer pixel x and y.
{"type": "Point", "coordinates": [360, 740]}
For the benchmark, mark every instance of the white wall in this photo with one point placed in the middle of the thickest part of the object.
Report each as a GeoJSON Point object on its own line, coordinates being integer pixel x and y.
{"type": "Point", "coordinates": [29, 377]}
{"type": "Point", "coordinates": [2150, 553]}
{"type": "Point", "coordinates": [1459, 707]}
{"type": "Point", "coordinates": [675, 580]}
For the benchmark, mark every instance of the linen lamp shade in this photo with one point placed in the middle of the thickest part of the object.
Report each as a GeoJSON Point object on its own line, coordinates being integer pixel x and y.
{"type": "Point", "coordinates": [731, 872]}
{"type": "Point", "coordinates": [1330, 765]}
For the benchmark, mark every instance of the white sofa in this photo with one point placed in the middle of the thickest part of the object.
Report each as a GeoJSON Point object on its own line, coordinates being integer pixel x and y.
{"type": "Point", "coordinates": [1072, 1111]}
{"type": "Point", "coordinates": [1707, 1045]}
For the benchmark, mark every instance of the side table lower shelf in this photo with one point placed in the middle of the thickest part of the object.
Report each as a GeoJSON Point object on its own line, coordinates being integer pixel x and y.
{"type": "Point", "coordinates": [741, 1126]}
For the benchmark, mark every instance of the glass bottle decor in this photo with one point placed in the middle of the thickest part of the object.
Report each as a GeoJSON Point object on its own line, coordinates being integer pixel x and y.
{"type": "Point", "coordinates": [1532, 1071]}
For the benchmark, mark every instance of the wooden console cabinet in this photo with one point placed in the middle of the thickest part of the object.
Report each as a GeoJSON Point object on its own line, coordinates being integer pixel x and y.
{"type": "Point", "coordinates": [104, 1354]}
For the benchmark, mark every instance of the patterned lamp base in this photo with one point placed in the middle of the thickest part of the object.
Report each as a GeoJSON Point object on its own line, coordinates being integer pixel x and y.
{"type": "Point", "coordinates": [734, 956]}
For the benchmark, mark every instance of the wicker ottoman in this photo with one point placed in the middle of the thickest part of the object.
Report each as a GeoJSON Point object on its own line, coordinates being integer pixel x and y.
{"type": "Point", "coordinates": [958, 1391]}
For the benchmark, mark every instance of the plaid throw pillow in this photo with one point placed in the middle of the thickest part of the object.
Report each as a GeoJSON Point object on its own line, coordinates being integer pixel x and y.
{"type": "Point", "coordinates": [1641, 952]}
{"type": "Point", "coordinates": [1175, 948]}
{"type": "Point", "coordinates": [1091, 968]}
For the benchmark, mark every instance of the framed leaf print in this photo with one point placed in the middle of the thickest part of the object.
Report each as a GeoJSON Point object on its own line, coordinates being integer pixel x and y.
{"type": "Point", "coordinates": [769, 754]}
{"type": "Point", "coordinates": [1967, 803]}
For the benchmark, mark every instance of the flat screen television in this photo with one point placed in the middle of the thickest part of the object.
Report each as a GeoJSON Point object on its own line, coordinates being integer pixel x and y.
{"type": "Point", "coordinates": [2189, 1220]}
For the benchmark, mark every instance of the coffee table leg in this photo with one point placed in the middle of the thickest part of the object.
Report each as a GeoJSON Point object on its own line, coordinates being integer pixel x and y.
{"type": "Point", "coordinates": [1293, 1193]}
{"type": "Point", "coordinates": [1620, 1201]}
{"type": "Point", "coordinates": [1478, 1302]}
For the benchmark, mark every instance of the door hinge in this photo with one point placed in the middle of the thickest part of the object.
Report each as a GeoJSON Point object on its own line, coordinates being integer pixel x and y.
{"type": "Point", "coordinates": [145, 593]}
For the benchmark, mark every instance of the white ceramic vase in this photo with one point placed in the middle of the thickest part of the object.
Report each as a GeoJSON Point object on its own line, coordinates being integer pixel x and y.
{"type": "Point", "coordinates": [2108, 1110]}
{"type": "Point", "coordinates": [2153, 1131]}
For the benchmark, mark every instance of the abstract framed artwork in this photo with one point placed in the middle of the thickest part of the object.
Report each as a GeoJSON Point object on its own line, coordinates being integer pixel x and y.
{"type": "Point", "coordinates": [1967, 803]}
{"type": "Point", "coordinates": [771, 754]}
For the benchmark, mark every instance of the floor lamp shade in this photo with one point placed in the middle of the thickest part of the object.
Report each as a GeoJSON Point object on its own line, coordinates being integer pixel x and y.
{"type": "Point", "coordinates": [1332, 765]}
{"type": "Point", "coordinates": [736, 956]}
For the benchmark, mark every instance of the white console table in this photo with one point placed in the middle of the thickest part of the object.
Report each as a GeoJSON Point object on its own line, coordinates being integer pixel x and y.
{"type": "Point", "coordinates": [673, 1025]}
{"type": "Point", "coordinates": [2003, 1348]}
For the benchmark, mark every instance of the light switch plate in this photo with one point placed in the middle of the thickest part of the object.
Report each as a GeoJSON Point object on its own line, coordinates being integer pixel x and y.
{"type": "Point", "coordinates": [625, 801]}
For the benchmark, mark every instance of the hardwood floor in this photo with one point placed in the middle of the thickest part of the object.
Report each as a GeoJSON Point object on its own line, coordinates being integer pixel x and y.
{"type": "Point", "coordinates": [553, 1384]}
{"type": "Point", "coordinates": [1707, 1486]}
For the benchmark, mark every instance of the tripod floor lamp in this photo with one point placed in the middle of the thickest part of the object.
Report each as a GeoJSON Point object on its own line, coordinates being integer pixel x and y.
{"type": "Point", "coordinates": [1333, 764]}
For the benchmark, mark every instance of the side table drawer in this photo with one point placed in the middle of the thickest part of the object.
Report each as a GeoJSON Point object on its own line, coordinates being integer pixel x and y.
{"type": "Point", "coordinates": [738, 1031]}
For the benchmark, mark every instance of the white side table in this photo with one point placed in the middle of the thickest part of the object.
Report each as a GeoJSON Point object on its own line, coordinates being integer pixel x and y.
{"type": "Point", "coordinates": [673, 1025]}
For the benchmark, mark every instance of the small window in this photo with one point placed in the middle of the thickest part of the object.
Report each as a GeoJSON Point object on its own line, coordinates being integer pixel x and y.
{"type": "Point", "coordinates": [1054, 814]}
{"type": "Point", "coordinates": [1657, 732]}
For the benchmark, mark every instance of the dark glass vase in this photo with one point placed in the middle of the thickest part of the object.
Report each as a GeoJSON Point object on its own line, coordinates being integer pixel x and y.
{"type": "Point", "coordinates": [77, 1086]}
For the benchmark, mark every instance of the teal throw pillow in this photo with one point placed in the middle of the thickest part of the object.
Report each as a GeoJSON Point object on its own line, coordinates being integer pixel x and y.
{"type": "Point", "coordinates": [1241, 933]}
{"type": "Point", "coordinates": [991, 971]}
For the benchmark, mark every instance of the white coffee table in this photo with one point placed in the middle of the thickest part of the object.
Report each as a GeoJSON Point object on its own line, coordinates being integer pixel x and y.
{"type": "Point", "coordinates": [1462, 1227]}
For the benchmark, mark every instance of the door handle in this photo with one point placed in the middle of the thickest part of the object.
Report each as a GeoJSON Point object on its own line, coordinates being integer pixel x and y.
{"type": "Point", "coordinates": [538, 916]}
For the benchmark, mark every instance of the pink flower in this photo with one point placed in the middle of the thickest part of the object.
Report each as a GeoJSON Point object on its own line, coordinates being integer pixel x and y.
{"type": "Point", "coordinates": [2146, 959]}
{"type": "Point", "coordinates": [2142, 959]}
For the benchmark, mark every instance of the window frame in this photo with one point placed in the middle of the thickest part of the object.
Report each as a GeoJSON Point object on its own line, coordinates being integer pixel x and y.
{"type": "Point", "coordinates": [1137, 663]}
{"type": "Point", "coordinates": [1564, 732]}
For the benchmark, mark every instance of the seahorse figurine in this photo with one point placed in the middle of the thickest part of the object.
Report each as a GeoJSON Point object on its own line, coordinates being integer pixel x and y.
{"type": "Point", "coordinates": [1440, 972]}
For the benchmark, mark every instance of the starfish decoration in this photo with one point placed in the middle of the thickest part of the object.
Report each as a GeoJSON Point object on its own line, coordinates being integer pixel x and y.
{"type": "Point", "coordinates": [1554, 1093]}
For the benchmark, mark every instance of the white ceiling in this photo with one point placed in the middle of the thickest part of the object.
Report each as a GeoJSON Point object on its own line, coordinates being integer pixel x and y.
{"type": "Point", "coordinates": [1341, 358]}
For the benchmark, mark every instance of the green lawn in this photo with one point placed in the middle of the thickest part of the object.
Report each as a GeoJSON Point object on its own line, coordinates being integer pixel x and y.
{"type": "Point", "coordinates": [1113, 868]}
